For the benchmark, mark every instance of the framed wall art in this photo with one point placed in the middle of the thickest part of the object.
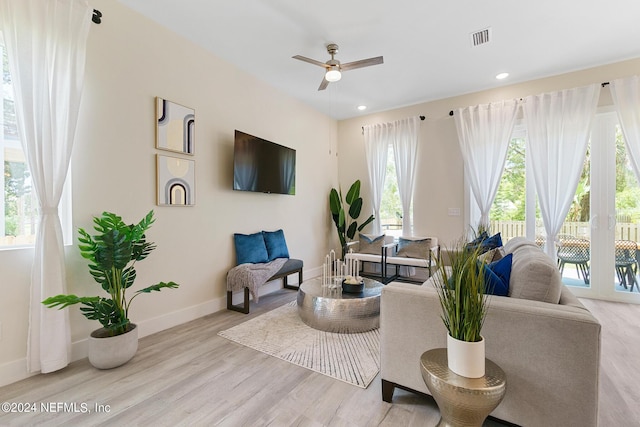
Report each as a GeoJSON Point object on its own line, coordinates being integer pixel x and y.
{"type": "Point", "coordinates": [176, 181]}
{"type": "Point", "coordinates": [175, 127]}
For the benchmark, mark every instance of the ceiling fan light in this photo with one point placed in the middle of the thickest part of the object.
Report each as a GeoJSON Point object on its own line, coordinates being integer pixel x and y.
{"type": "Point", "coordinates": [333, 75]}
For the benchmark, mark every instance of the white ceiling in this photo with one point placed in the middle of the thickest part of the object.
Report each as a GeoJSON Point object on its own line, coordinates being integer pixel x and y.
{"type": "Point", "coordinates": [425, 43]}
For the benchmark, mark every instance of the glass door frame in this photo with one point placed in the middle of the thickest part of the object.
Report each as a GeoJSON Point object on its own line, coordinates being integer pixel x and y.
{"type": "Point", "coordinates": [603, 212]}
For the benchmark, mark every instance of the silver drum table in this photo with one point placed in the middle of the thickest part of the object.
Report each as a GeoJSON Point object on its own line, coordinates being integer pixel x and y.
{"type": "Point", "coordinates": [335, 311]}
{"type": "Point", "coordinates": [463, 402]}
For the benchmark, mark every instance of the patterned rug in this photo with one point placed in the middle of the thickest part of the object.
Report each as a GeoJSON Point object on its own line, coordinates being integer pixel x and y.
{"type": "Point", "coordinates": [352, 358]}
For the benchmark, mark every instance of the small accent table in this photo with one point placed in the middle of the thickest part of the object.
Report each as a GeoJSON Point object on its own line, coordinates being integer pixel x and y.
{"type": "Point", "coordinates": [462, 401]}
{"type": "Point", "coordinates": [334, 311]}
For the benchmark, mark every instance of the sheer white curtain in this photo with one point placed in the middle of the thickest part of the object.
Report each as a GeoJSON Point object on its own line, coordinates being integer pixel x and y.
{"type": "Point", "coordinates": [46, 45]}
{"type": "Point", "coordinates": [405, 151]}
{"type": "Point", "coordinates": [558, 126]}
{"type": "Point", "coordinates": [626, 97]}
{"type": "Point", "coordinates": [376, 145]}
{"type": "Point", "coordinates": [484, 132]}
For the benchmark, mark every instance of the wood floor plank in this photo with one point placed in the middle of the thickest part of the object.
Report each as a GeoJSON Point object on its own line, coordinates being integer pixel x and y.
{"type": "Point", "coordinates": [188, 375]}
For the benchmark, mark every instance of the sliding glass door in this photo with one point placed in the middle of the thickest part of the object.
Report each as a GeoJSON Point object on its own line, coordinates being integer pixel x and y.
{"type": "Point", "coordinates": [597, 247]}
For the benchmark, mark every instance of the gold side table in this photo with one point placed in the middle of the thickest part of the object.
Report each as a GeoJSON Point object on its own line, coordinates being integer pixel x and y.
{"type": "Point", "coordinates": [462, 401]}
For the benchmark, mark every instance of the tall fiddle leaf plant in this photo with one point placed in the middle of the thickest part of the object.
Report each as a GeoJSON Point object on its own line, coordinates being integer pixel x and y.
{"type": "Point", "coordinates": [112, 255]}
{"type": "Point", "coordinates": [345, 213]}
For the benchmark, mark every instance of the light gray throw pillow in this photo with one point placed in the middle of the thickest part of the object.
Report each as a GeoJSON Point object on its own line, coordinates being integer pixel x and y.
{"type": "Point", "coordinates": [371, 244]}
{"type": "Point", "coordinates": [414, 248]}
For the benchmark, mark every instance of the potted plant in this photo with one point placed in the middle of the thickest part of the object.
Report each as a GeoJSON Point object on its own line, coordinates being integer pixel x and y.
{"type": "Point", "coordinates": [112, 255]}
{"type": "Point", "coordinates": [347, 225]}
{"type": "Point", "coordinates": [461, 290]}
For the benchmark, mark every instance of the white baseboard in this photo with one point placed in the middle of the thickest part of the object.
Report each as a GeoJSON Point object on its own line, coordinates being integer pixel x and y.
{"type": "Point", "coordinates": [16, 370]}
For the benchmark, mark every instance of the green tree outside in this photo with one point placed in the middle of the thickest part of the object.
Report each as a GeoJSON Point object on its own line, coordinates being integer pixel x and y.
{"type": "Point", "coordinates": [509, 204]}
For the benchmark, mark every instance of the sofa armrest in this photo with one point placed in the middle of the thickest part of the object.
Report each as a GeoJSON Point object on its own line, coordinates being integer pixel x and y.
{"type": "Point", "coordinates": [549, 352]}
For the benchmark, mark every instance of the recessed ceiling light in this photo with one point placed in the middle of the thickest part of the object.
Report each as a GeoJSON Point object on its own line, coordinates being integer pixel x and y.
{"type": "Point", "coordinates": [502, 76]}
{"type": "Point", "coordinates": [362, 107]}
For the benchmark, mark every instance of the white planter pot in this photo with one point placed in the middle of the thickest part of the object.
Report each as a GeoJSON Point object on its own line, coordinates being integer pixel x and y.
{"type": "Point", "coordinates": [110, 352]}
{"type": "Point", "coordinates": [466, 358]}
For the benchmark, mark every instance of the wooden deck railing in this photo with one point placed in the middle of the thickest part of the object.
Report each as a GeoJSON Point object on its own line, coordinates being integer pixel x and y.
{"type": "Point", "coordinates": [509, 229]}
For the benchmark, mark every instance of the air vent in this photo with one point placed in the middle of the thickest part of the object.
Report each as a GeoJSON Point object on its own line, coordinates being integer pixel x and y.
{"type": "Point", "coordinates": [481, 37]}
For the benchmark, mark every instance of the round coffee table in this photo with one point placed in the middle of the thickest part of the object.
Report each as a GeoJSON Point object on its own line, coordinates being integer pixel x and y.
{"type": "Point", "coordinates": [335, 311]}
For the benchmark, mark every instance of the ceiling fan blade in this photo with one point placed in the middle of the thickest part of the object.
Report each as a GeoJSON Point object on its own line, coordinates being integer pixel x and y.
{"type": "Point", "coordinates": [324, 84]}
{"type": "Point", "coordinates": [310, 61]}
{"type": "Point", "coordinates": [362, 63]}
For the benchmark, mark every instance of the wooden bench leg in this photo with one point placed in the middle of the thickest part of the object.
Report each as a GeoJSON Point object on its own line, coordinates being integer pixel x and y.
{"type": "Point", "coordinates": [387, 390]}
{"type": "Point", "coordinates": [285, 281]}
{"type": "Point", "coordinates": [239, 308]}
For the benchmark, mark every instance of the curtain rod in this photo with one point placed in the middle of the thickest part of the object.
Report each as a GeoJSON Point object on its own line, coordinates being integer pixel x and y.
{"type": "Point", "coordinates": [421, 118]}
{"type": "Point", "coordinates": [603, 84]}
{"type": "Point", "coordinates": [97, 16]}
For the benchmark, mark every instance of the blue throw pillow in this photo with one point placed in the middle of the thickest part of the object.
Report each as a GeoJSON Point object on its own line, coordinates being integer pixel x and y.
{"type": "Point", "coordinates": [492, 242]}
{"type": "Point", "coordinates": [481, 238]}
{"type": "Point", "coordinates": [475, 243]}
{"type": "Point", "coordinates": [497, 275]}
{"type": "Point", "coordinates": [250, 248]}
{"type": "Point", "coordinates": [276, 244]}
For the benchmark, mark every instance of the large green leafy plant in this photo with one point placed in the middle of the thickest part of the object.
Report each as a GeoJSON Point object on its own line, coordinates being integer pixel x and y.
{"type": "Point", "coordinates": [112, 255]}
{"type": "Point", "coordinates": [347, 225]}
{"type": "Point", "coordinates": [461, 290]}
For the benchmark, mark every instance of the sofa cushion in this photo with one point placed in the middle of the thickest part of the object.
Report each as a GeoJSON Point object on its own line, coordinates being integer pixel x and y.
{"type": "Point", "coordinates": [534, 275]}
{"type": "Point", "coordinates": [371, 244]}
{"type": "Point", "coordinates": [276, 244]}
{"type": "Point", "coordinates": [250, 248]}
{"type": "Point", "coordinates": [497, 275]}
{"type": "Point", "coordinates": [414, 247]}
{"type": "Point", "coordinates": [517, 242]}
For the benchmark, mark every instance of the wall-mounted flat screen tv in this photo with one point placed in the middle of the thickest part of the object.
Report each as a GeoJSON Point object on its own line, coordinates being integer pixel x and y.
{"type": "Point", "coordinates": [263, 166]}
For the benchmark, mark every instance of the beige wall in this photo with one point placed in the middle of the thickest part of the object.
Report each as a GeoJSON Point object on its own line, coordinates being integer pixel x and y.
{"type": "Point", "coordinates": [131, 60]}
{"type": "Point", "coordinates": [440, 180]}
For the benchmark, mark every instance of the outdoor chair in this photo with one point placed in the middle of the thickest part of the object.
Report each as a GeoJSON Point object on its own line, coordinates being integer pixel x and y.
{"type": "Point", "coordinates": [626, 263]}
{"type": "Point", "coordinates": [574, 250]}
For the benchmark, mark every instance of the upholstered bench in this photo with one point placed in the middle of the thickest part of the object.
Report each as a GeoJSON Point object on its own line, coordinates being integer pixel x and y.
{"type": "Point", "coordinates": [260, 258]}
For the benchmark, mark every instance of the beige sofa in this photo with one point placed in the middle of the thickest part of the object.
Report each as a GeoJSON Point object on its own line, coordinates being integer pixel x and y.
{"type": "Point", "coordinates": [544, 339]}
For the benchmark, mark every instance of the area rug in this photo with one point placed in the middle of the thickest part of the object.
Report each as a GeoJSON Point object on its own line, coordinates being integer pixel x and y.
{"type": "Point", "coordinates": [352, 358]}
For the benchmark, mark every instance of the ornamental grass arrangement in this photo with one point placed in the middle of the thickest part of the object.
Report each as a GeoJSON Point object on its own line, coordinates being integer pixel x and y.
{"type": "Point", "coordinates": [461, 290]}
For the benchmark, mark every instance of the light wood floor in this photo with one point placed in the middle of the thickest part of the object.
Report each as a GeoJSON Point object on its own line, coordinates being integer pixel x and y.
{"type": "Point", "coordinates": [188, 375]}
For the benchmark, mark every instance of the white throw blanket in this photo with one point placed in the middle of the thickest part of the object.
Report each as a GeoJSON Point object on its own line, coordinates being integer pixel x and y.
{"type": "Point", "coordinates": [252, 276]}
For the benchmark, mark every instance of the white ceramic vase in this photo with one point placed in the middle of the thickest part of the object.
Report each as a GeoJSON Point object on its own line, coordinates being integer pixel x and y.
{"type": "Point", "coordinates": [466, 358]}
{"type": "Point", "coordinates": [110, 352]}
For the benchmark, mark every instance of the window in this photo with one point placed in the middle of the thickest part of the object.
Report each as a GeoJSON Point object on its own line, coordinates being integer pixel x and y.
{"type": "Point", "coordinates": [19, 205]}
{"type": "Point", "coordinates": [390, 204]}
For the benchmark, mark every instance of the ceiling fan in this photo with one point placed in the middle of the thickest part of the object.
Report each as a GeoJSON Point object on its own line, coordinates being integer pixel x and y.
{"type": "Point", "coordinates": [333, 67]}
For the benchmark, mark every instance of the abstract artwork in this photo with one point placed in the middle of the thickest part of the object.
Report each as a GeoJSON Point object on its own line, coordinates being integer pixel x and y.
{"type": "Point", "coordinates": [176, 181]}
{"type": "Point", "coordinates": [175, 127]}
